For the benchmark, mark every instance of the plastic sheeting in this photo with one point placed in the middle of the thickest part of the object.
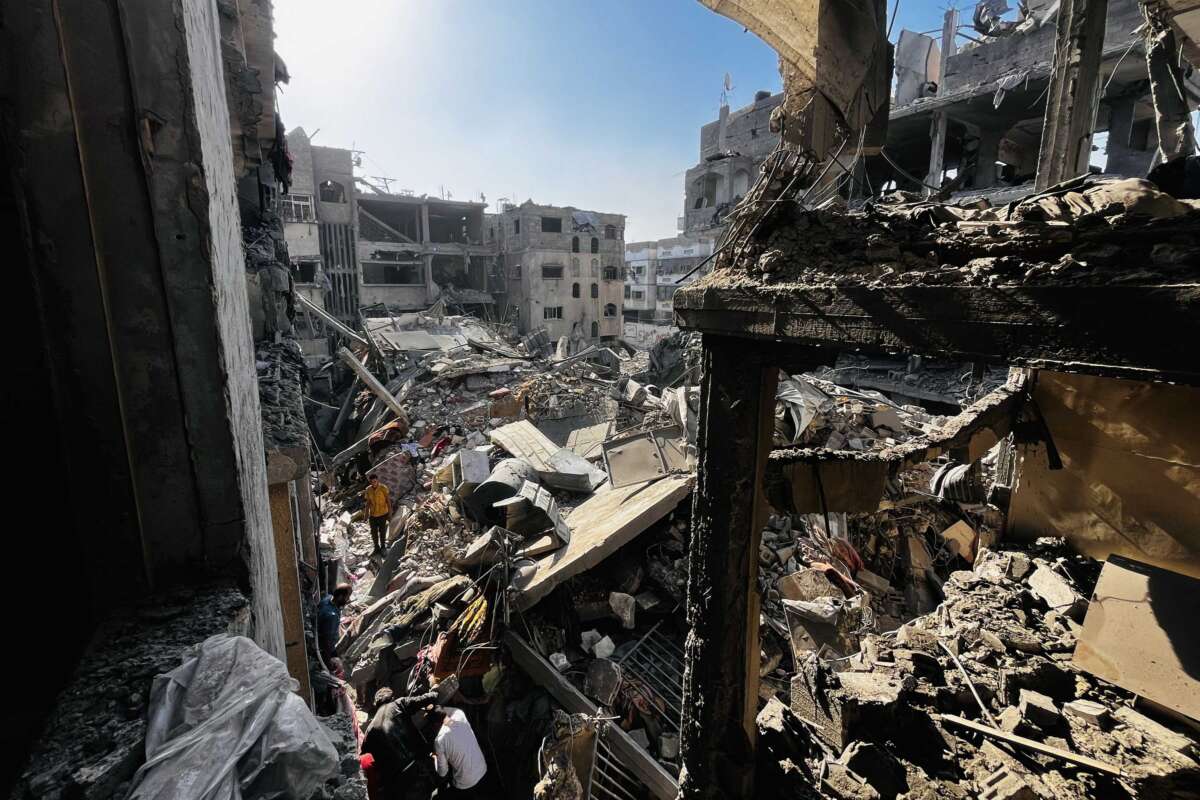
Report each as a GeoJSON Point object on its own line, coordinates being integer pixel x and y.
{"type": "Point", "coordinates": [227, 725]}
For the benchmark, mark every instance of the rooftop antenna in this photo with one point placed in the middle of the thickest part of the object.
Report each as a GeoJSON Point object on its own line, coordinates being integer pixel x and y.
{"type": "Point", "coordinates": [727, 89]}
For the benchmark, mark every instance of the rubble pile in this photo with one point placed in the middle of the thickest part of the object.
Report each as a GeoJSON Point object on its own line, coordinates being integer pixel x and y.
{"type": "Point", "coordinates": [948, 703]}
{"type": "Point", "coordinates": [948, 384]}
{"type": "Point", "coordinates": [281, 380]}
{"type": "Point", "coordinates": [1085, 231]}
{"type": "Point", "coordinates": [537, 552]}
{"type": "Point", "coordinates": [820, 414]}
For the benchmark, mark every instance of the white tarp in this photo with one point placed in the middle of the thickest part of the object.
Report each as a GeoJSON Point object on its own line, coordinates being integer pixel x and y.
{"type": "Point", "coordinates": [226, 725]}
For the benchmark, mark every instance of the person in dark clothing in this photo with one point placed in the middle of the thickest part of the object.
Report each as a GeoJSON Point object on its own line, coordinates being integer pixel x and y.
{"type": "Point", "coordinates": [400, 753]}
{"type": "Point", "coordinates": [329, 625]}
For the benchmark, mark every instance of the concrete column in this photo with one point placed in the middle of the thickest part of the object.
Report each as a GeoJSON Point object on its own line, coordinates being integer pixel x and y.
{"type": "Point", "coordinates": [989, 152]}
{"type": "Point", "coordinates": [720, 690]}
{"type": "Point", "coordinates": [1074, 93]}
{"type": "Point", "coordinates": [425, 237]}
{"type": "Point", "coordinates": [286, 553]}
{"type": "Point", "coordinates": [1124, 156]}
{"type": "Point", "coordinates": [939, 123]}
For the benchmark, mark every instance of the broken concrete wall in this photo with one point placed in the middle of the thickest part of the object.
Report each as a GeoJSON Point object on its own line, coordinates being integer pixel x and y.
{"type": "Point", "coordinates": [1130, 482]}
{"type": "Point", "coordinates": [1033, 50]}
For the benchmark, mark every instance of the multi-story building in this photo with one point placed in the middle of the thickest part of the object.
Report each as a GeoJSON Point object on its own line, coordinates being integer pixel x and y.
{"type": "Point", "coordinates": [354, 249]}
{"type": "Point", "coordinates": [731, 150]}
{"type": "Point", "coordinates": [564, 268]}
{"type": "Point", "coordinates": [652, 270]}
{"type": "Point", "coordinates": [320, 223]}
{"type": "Point", "coordinates": [411, 250]}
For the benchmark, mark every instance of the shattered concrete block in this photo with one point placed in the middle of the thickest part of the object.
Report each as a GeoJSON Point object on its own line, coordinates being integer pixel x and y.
{"type": "Point", "coordinates": [1019, 565]}
{"type": "Point", "coordinates": [1010, 719]}
{"type": "Point", "coordinates": [882, 770]}
{"type": "Point", "coordinates": [807, 585]}
{"type": "Point", "coordinates": [1086, 711]}
{"type": "Point", "coordinates": [1005, 784]}
{"type": "Point", "coordinates": [588, 639]}
{"type": "Point", "coordinates": [560, 661]}
{"type": "Point", "coordinates": [1155, 730]}
{"type": "Point", "coordinates": [624, 606]}
{"type": "Point", "coordinates": [993, 641]}
{"type": "Point", "coordinates": [1039, 709]}
{"type": "Point", "coordinates": [875, 584]}
{"type": "Point", "coordinates": [604, 648]}
{"type": "Point", "coordinates": [991, 566]}
{"type": "Point", "coordinates": [914, 638]}
{"type": "Point", "coordinates": [856, 699]}
{"type": "Point", "coordinates": [1054, 590]}
{"type": "Point", "coordinates": [841, 783]}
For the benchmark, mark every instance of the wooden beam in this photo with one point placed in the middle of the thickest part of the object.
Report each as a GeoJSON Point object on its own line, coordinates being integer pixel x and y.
{"type": "Point", "coordinates": [644, 766]}
{"type": "Point", "coordinates": [372, 383]}
{"type": "Point", "coordinates": [1030, 744]}
{"type": "Point", "coordinates": [1063, 328]}
{"type": "Point", "coordinates": [721, 656]}
{"type": "Point", "coordinates": [330, 320]}
{"type": "Point", "coordinates": [1074, 92]}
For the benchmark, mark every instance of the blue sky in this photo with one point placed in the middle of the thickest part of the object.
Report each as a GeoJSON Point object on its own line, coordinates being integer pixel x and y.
{"type": "Point", "coordinates": [591, 103]}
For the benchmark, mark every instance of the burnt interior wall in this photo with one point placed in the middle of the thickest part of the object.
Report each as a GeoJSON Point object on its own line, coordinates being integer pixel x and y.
{"type": "Point", "coordinates": [148, 470]}
{"type": "Point", "coordinates": [39, 476]}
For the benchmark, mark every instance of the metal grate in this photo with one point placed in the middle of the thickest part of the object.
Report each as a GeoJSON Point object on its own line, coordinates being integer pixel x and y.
{"type": "Point", "coordinates": [610, 780]}
{"type": "Point", "coordinates": [656, 665]}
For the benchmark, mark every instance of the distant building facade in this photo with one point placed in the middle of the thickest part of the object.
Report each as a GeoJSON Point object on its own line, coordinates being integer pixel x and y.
{"type": "Point", "coordinates": [731, 151]}
{"type": "Point", "coordinates": [355, 248]}
{"type": "Point", "coordinates": [563, 268]}
{"type": "Point", "coordinates": [652, 270]}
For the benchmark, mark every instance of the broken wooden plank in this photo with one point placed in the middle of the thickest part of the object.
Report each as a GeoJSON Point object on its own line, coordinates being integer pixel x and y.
{"type": "Point", "coordinates": [599, 527]}
{"type": "Point", "coordinates": [633, 757]}
{"type": "Point", "coordinates": [372, 383]}
{"type": "Point", "coordinates": [1030, 744]}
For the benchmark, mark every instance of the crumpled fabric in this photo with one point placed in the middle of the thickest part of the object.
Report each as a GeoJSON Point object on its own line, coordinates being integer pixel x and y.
{"type": "Point", "coordinates": [226, 725]}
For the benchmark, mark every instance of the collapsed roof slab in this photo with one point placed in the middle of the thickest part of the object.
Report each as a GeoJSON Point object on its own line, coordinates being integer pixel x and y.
{"type": "Point", "coordinates": [599, 527]}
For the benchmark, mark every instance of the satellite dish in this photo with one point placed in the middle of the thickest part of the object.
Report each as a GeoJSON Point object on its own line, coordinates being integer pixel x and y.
{"type": "Point", "coordinates": [728, 81]}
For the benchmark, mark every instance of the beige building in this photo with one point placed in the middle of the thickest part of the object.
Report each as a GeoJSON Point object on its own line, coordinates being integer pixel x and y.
{"type": "Point", "coordinates": [564, 268]}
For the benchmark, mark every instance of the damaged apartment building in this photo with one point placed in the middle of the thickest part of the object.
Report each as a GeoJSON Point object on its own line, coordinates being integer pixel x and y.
{"type": "Point", "coordinates": [653, 272]}
{"type": "Point", "coordinates": [564, 269]}
{"type": "Point", "coordinates": [965, 114]}
{"type": "Point", "coordinates": [356, 246]}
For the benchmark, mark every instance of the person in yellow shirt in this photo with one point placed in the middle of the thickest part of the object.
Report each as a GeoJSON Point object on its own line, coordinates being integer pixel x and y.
{"type": "Point", "coordinates": [379, 511]}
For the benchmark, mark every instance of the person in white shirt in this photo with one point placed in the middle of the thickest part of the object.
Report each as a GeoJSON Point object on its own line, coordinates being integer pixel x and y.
{"type": "Point", "coordinates": [456, 752]}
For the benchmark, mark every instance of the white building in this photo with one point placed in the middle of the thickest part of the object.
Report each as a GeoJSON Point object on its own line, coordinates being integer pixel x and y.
{"type": "Point", "coordinates": [652, 270]}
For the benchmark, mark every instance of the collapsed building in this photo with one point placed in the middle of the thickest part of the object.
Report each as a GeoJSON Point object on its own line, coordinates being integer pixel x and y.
{"type": "Point", "coordinates": [843, 537]}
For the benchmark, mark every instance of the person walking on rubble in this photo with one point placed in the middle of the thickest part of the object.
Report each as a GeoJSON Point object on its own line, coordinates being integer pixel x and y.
{"type": "Point", "coordinates": [379, 511]}
{"type": "Point", "coordinates": [329, 625]}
